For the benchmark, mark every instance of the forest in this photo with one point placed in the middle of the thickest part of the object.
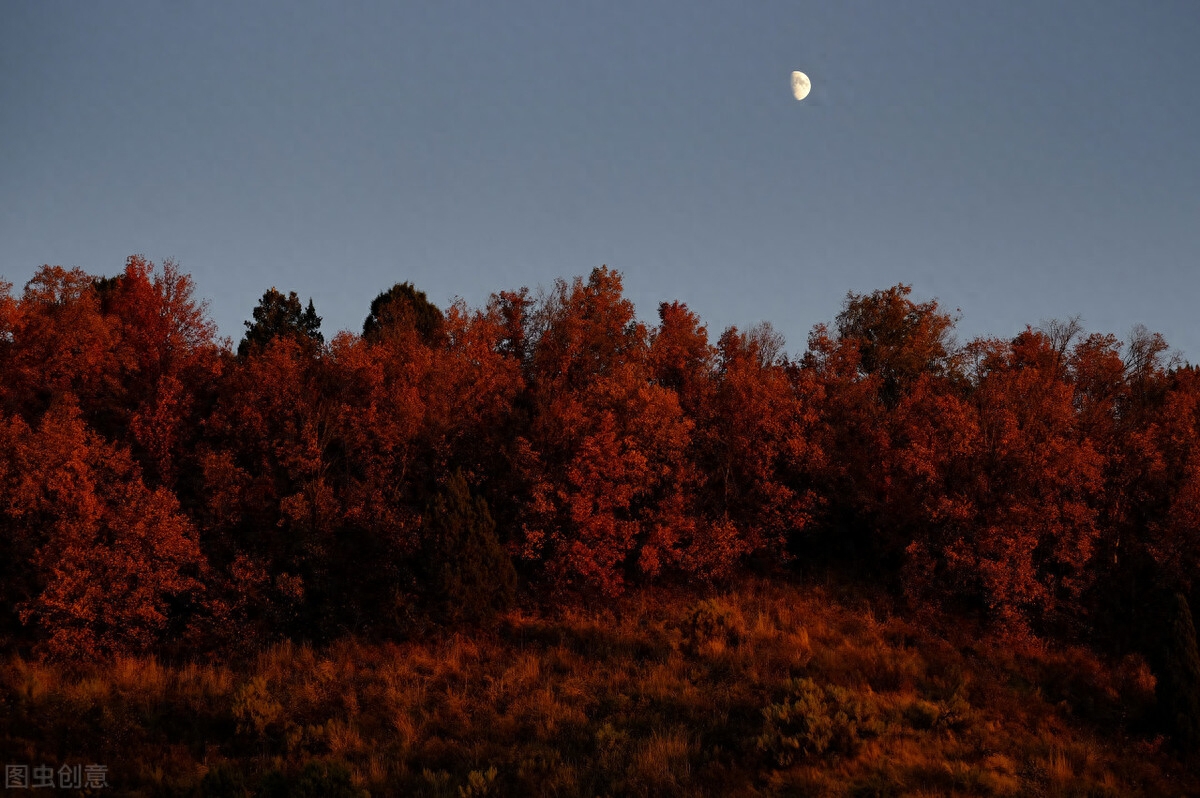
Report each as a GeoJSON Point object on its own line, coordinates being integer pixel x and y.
{"type": "Point", "coordinates": [173, 504]}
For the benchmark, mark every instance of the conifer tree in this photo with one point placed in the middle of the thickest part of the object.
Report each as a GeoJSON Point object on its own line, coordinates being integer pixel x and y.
{"type": "Point", "coordinates": [1179, 676]}
{"type": "Point", "coordinates": [278, 315]}
{"type": "Point", "coordinates": [470, 574]}
{"type": "Point", "coordinates": [403, 306]}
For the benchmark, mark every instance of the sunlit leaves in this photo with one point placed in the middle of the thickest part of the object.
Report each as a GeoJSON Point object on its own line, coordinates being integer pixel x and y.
{"type": "Point", "coordinates": [108, 555]}
{"type": "Point", "coordinates": [152, 480]}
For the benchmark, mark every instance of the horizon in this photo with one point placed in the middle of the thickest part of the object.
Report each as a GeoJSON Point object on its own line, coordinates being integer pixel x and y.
{"type": "Point", "coordinates": [1018, 163]}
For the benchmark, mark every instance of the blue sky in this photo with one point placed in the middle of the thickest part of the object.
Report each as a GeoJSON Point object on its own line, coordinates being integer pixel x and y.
{"type": "Point", "coordinates": [1019, 161]}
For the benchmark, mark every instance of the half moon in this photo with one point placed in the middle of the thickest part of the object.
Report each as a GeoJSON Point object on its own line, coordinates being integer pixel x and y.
{"type": "Point", "coordinates": [801, 85]}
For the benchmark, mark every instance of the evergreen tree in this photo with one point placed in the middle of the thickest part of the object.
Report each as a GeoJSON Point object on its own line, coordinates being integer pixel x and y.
{"type": "Point", "coordinates": [403, 306]}
{"type": "Point", "coordinates": [278, 315]}
{"type": "Point", "coordinates": [470, 574]}
{"type": "Point", "coordinates": [1179, 676]}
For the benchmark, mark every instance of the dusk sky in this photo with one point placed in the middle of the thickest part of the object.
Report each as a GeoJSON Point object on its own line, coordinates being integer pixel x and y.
{"type": "Point", "coordinates": [1019, 161]}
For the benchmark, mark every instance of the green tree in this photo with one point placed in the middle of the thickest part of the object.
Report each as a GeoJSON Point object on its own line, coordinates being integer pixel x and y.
{"type": "Point", "coordinates": [471, 576]}
{"type": "Point", "coordinates": [278, 315]}
{"type": "Point", "coordinates": [403, 306]}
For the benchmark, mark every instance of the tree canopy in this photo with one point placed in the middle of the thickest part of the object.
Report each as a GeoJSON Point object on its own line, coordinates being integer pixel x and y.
{"type": "Point", "coordinates": [279, 316]}
{"type": "Point", "coordinates": [156, 491]}
{"type": "Point", "coordinates": [403, 307]}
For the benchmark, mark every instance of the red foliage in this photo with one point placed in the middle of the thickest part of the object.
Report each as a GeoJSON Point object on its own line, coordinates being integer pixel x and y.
{"type": "Point", "coordinates": [60, 343]}
{"type": "Point", "coordinates": [603, 459]}
{"type": "Point", "coordinates": [150, 476]}
{"type": "Point", "coordinates": [1170, 486]}
{"type": "Point", "coordinates": [108, 555]}
{"type": "Point", "coordinates": [757, 442]}
{"type": "Point", "coordinates": [1020, 533]}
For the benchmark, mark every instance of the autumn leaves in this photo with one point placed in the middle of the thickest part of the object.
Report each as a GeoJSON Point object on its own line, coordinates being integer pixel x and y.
{"type": "Point", "coordinates": [159, 490]}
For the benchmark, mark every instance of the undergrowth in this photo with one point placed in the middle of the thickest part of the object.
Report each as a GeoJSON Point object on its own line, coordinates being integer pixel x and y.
{"type": "Point", "coordinates": [773, 689]}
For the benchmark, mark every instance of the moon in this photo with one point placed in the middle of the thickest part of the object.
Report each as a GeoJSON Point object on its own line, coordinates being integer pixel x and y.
{"type": "Point", "coordinates": [801, 85]}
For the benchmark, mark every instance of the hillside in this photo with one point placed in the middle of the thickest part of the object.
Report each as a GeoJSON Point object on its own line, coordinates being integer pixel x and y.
{"type": "Point", "coordinates": [324, 523]}
{"type": "Point", "coordinates": [662, 693]}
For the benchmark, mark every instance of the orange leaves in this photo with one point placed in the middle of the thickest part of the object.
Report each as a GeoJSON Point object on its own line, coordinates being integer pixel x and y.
{"type": "Point", "coordinates": [680, 356]}
{"type": "Point", "coordinates": [108, 555]}
{"type": "Point", "coordinates": [896, 339]}
{"type": "Point", "coordinates": [160, 425]}
{"type": "Point", "coordinates": [656, 453]}
{"type": "Point", "coordinates": [1008, 484]}
{"type": "Point", "coordinates": [604, 457]}
{"type": "Point", "coordinates": [1163, 474]}
{"type": "Point", "coordinates": [60, 343]}
{"type": "Point", "coordinates": [582, 329]}
{"type": "Point", "coordinates": [755, 444]}
{"type": "Point", "coordinates": [1006, 475]}
{"type": "Point", "coordinates": [972, 466]}
{"type": "Point", "coordinates": [163, 326]}
{"type": "Point", "coordinates": [608, 456]}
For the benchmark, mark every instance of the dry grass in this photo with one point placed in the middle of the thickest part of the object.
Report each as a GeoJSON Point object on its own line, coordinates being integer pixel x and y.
{"type": "Point", "coordinates": [661, 694]}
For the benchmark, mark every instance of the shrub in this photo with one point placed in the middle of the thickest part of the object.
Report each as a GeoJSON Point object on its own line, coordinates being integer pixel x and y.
{"type": "Point", "coordinates": [471, 576]}
{"type": "Point", "coordinates": [224, 781]}
{"type": "Point", "coordinates": [812, 721]}
{"type": "Point", "coordinates": [922, 714]}
{"type": "Point", "coordinates": [954, 713]}
{"type": "Point", "coordinates": [479, 783]}
{"type": "Point", "coordinates": [317, 780]}
{"type": "Point", "coordinates": [1135, 684]}
{"type": "Point", "coordinates": [256, 709]}
{"type": "Point", "coordinates": [712, 621]}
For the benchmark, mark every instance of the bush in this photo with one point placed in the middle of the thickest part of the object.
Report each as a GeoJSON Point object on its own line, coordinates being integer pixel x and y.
{"type": "Point", "coordinates": [712, 621]}
{"type": "Point", "coordinates": [1135, 683]}
{"type": "Point", "coordinates": [471, 576]}
{"type": "Point", "coordinates": [479, 783]}
{"type": "Point", "coordinates": [812, 721]}
{"type": "Point", "coordinates": [317, 780]}
{"type": "Point", "coordinates": [257, 711]}
{"type": "Point", "coordinates": [922, 714]}
{"type": "Point", "coordinates": [224, 781]}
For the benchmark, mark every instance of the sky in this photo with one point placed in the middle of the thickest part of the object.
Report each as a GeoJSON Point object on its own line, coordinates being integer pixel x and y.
{"type": "Point", "coordinates": [1017, 161]}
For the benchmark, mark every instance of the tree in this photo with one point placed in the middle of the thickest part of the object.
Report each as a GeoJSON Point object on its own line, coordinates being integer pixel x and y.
{"type": "Point", "coordinates": [470, 575]}
{"type": "Point", "coordinates": [403, 307]}
{"type": "Point", "coordinates": [8, 318]}
{"type": "Point", "coordinates": [162, 323]}
{"type": "Point", "coordinates": [470, 389]}
{"type": "Point", "coordinates": [265, 461]}
{"type": "Point", "coordinates": [1025, 518]}
{"type": "Point", "coordinates": [884, 349]}
{"type": "Point", "coordinates": [602, 457]}
{"type": "Point", "coordinates": [754, 442]}
{"type": "Point", "coordinates": [510, 311]}
{"type": "Point", "coordinates": [1178, 671]}
{"type": "Point", "coordinates": [896, 338]}
{"type": "Point", "coordinates": [168, 358]}
{"type": "Point", "coordinates": [681, 358]}
{"type": "Point", "coordinates": [102, 561]}
{"type": "Point", "coordinates": [59, 343]}
{"type": "Point", "coordinates": [316, 470]}
{"type": "Point", "coordinates": [281, 316]}
{"type": "Point", "coordinates": [401, 418]}
{"type": "Point", "coordinates": [849, 427]}
{"type": "Point", "coordinates": [1165, 505]}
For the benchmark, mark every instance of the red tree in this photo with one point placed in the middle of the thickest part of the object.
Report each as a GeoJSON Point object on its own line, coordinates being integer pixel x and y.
{"type": "Point", "coordinates": [107, 558]}
{"type": "Point", "coordinates": [603, 459]}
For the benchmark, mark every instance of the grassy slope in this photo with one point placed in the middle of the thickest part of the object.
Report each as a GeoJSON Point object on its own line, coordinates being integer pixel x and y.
{"type": "Point", "coordinates": [662, 693]}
